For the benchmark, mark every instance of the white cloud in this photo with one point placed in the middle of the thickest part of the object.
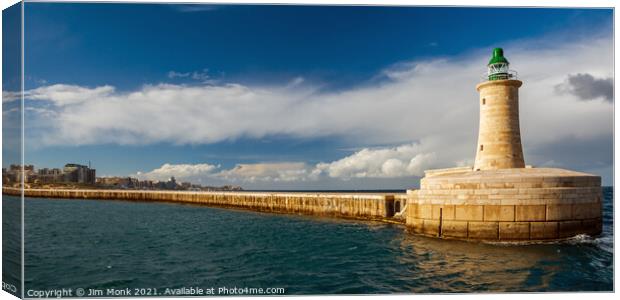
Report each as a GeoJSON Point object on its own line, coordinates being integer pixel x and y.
{"type": "Point", "coordinates": [9, 96]}
{"type": "Point", "coordinates": [63, 95]}
{"type": "Point", "coordinates": [241, 173]}
{"type": "Point", "coordinates": [405, 160]}
{"type": "Point", "coordinates": [401, 161]}
{"type": "Point", "coordinates": [432, 102]}
{"type": "Point", "coordinates": [181, 171]}
{"type": "Point", "coordinates": [283, 171]}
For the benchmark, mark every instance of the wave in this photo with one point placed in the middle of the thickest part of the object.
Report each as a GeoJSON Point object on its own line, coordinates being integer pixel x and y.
{"type": "Point", "coordinates": [605, 242]}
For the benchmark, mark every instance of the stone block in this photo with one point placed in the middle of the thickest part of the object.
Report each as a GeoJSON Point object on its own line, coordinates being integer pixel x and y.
{"type": "Point", "coordinates": [437, 211]}
{"type": "Point", "coordinates": [483, 230]}
{"type": "Point", "coordinates": [559, 212]}
{"type": "Point", "coordinates": [592, 227]}
{"type": "Point", "coordinates": [514, 230]}
{"type": "Point", "coordinates": [570, 228]}
{"type": "Point", "coordinates": [416, 225]}
{"type": "Point", "coordinates": [431, 227]}
{"type": "Point", "coordinates": [586, 211]}
{"type": "Point", "coordinates": [454, 229]}
{"type": "Point", "coordinates": [448, 212]}
{"type": "Point", "coordinates": [412, 210]}
{"type": "Point", "coordinates": [469, 212]}
{"type": "Point", "coordinates": [499, 213]}
{"type": "Point", "coordinates": [544, 230]}
{"type": "Point", "coordinates": [530, 213]}
{"type": "Point", "coordinates": [425, 211]}
{"type": "Point", "coordinates": [504, 201]}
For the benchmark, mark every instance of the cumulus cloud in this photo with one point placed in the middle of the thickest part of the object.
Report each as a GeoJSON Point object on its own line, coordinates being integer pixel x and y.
{"type": "Point", "coordinates": [587, 87]}
{"type": "Point", "coordinates": [241, 173]}
{"type": "Point", "coordinates": [405, 160]}
{"type": "Point", "coordinates": [65, 95]}
{"type": "Point", "coordinates": [284, 171]}
{"type": "Point", "coordinates": [431, 102]}
{"type": "Point", "coordinates": [401, 161]}
{"type": "Point", "coordinates": [182, 171]}
{"type": "Point", "coordinates": [10, 96]}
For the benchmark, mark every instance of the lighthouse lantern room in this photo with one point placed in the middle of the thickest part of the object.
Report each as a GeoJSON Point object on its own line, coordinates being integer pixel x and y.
{"type": "Point", "coordinates": [498, 67]}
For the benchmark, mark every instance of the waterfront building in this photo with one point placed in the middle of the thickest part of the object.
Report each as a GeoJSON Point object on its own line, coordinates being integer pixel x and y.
{"type": "Point", "coordinates": [171, 184]}
{"type": "Point", "coordinates": [46, 175]}
{"type": "Point", "coordinates": [79, 174]}
{"type": "Point", "coordinates": [16, 173]}
{"type": "Point", "coordinates": [71, 173]}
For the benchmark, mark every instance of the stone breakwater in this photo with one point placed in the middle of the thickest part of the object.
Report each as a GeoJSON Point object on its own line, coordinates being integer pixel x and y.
{"type": "Point", "coordinates": [379, 207]}
{"type": "Point", "coordinates": [518, 204]}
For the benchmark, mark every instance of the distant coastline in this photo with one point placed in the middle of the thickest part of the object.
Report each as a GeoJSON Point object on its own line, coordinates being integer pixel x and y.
{"type": "Point", "coordinates": [77, 176]}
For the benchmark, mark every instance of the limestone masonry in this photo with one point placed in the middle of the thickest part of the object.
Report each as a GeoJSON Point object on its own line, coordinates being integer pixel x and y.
{"type": "Point", "coordinates": [500, 198]}
{"type": "Point", "coordinates": [499, 139]}
{"type": "Point", "coordinates": [366, 206]}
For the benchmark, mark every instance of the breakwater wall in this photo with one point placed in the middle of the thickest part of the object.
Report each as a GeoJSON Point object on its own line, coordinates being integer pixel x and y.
{"type": "Point", "coordinates": [368, 206]}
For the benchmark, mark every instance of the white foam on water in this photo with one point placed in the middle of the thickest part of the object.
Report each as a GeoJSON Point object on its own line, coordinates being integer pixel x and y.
{"type": "Point", "coordinates": [520, 243]}
{"type": "Point", "coordinates": [604, 242]}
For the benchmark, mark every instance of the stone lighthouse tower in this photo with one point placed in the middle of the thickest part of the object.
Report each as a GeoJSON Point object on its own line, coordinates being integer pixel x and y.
{"type": "Point", "coordinates": [498, 198]}
{"type": "Point", "coordinates": [499, 137]}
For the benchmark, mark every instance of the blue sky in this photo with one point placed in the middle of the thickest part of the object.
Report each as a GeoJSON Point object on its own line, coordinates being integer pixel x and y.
{"type": "Point", "coordinates": [169, 67]}
{"type": "Point", "coordinates": [130, 45]}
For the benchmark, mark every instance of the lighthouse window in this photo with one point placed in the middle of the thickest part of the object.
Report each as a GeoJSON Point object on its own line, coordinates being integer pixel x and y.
{"type": "Point", "coordinates": [484, 101]}
{"type": "Point", "coordinates": [481, 147]}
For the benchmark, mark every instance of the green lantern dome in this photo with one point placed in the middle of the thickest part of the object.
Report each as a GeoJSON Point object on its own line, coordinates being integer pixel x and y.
{"type": "Point", "coordinates": [498, 57]}
{"type": "Point", "coordinates": [498, 67]}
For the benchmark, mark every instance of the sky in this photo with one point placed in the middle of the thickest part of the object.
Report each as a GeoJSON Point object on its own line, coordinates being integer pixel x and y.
{"type": "Point", "coordinates": [306, 97]}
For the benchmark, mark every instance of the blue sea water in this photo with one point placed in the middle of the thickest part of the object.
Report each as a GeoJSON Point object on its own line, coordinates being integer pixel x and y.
{"type": "Point", "coordinates": [73, 243]}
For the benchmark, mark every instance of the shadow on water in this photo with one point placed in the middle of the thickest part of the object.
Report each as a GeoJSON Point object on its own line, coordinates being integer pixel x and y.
{"type": "Point", "coordinates": [118, 244]}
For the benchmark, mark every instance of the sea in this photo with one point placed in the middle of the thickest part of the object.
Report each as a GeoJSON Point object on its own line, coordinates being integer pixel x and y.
{"type": "Point", "coordinates": [103, 246]}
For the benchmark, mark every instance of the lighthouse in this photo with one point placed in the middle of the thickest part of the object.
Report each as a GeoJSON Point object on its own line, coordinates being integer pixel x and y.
{"type": "Point", "coordinates": [498, 198]}
{"type": "Point", "coordinates": [499, 138]}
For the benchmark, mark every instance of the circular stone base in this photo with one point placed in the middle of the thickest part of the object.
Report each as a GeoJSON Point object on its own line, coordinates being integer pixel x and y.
{"type": "Point", "coordinates": [506, 204]}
